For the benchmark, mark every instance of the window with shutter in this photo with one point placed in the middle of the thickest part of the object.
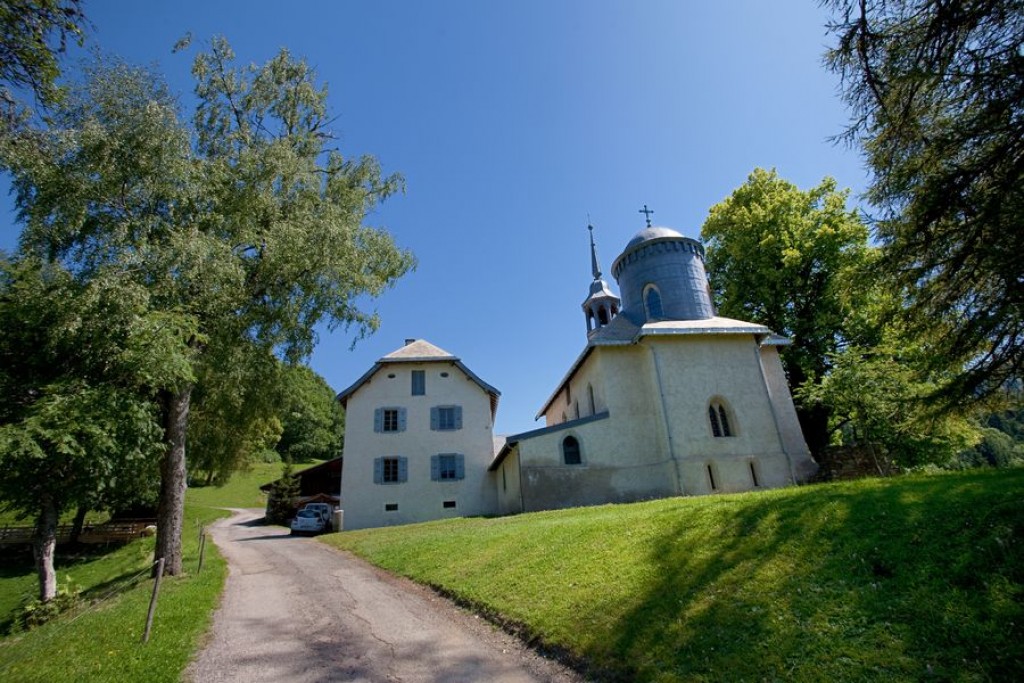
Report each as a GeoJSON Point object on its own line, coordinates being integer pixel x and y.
{"type": "Point", "coordinates": [389, 420]}
{"type": "Point", "coordinates": [446, 418]}
{"type": "Point", "coordinates": [390, 470]}
{"type": "Point", "coordinates": [447, 467]}
{"type": "Point", "coordinates": [419, 382]}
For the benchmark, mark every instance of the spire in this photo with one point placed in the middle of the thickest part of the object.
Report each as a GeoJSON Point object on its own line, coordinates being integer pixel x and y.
{"type": "Point", "coordinates": [593, 255]}
{"type": "Point", "coordinates": [602, 305]}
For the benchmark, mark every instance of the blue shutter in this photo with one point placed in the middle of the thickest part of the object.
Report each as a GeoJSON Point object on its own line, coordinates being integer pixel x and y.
{"type": "Point", "coordinates": [378, 420]}
{"type": "Point", "coordinates": [458, 417]}
{"type": "Point", "coordinates": [378, 470]}
{"type": "Point", "coordinates": [435, 468]}
{"type": "Point", "coordinates": [433, 418]}
{"type": "Point", "coordinates": [401, 419]}
{"type": "Point", "coordinates": [403, 469]}
{"type": "Point", "coordinates": [460, 466]}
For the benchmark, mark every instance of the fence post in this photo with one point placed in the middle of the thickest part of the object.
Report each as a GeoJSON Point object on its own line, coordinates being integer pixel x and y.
{"type": "Point", "coordinates": [202, 551]}
{"type": "Point", "coordinates": [152, 600]}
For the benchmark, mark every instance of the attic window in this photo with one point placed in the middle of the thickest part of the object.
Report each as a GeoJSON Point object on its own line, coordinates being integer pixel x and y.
{"type": "Point", "coordinates": [391, 375]}
{"type": "Point", "coordinates": [444, 374]}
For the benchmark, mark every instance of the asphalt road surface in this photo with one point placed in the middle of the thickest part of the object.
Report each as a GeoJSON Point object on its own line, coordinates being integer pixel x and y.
{"type": "Point", "coordinates": [296, 610]}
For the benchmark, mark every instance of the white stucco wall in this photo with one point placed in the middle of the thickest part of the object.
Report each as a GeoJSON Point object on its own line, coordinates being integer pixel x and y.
{"type": "Point", "coordinates": [508, 485]}
{"type": "Point", "coordinates": [699, 369]}
{"type": "Point", "coordinates": [793, 442]}
{"type": "Point", "coordinates": [418, 499]}
{"type": "Point", "coordinates": [657, 438]}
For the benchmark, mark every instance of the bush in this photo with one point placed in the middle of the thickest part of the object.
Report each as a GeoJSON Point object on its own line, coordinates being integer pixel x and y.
{"type": "Point", "coordinates": [35, 612]}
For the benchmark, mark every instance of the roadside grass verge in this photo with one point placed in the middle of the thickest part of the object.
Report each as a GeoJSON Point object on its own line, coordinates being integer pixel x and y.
{"type": "Point", "coordinates": [885, 580]}
{"type": "Point", "coordinates": [102, 642]}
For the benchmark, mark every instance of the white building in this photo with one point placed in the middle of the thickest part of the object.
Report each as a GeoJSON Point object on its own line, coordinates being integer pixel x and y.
{"type": "Point", "coordinates": [418, 440]}
{"type": "Point", "coordinates": [665, 399]}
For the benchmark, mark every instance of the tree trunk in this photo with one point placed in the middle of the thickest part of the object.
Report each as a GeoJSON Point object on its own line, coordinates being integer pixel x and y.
{"type": "Point", "coordinates": [78, 524]}
{"type": "Point", "coordinates": [171, 507]}
{"type": "Point", "coordinates": [44, 546]}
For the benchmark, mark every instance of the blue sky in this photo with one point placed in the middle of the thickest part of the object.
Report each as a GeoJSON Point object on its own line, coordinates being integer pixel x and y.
{"type": "Point", "coordinates": [513, 122]}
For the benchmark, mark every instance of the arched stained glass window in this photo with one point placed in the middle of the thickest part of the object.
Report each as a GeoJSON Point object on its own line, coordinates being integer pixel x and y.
{"type": "Point", "coordinates": [571, 451]}
{"type": "Point", "coordinates": [718, 415]}
{"type": "Point", "coordinates": [652, 302]}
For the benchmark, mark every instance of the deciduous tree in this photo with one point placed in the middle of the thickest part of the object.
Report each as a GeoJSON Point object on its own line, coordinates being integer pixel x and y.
{"type": "Point", "coordinates": [312, 419]}
{"type": "Point", "coordinates": [782, 256]}
{"type": "Point", "coordinates": [247, 221]}
{"type": "Point", "coordinates": [78, 425]}
{"type": "Point", "coordinates": [33, 34]}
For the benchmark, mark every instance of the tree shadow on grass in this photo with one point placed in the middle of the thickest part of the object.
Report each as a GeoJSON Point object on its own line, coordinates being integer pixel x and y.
{"type": "Point", "coordinates": [898, 579]}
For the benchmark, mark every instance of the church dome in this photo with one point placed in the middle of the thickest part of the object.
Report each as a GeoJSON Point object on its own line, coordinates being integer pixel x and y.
{"type": "Point", "coordinates": [661, 277]}
{"type": "Point", "coordinates": [653, 233]}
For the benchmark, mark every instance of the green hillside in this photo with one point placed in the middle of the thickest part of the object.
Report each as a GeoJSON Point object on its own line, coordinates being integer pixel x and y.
{"type": "Point", "coordinates": [914, 578]}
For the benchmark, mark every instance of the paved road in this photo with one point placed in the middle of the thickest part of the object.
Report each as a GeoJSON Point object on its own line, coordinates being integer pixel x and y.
{"type": "Point", "coordinates": [296, 610]}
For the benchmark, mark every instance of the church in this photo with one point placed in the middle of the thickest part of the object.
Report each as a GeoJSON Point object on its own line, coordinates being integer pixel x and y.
{"type": "Point", "coordinates": [665, 399]}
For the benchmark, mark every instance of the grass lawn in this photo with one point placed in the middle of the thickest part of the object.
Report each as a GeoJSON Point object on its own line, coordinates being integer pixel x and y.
{"type": "Point", "coordinates": [102, 643]}
{"type": "Point", "coordinates": [905, 579]}
{"type": "Point", "coordinates": [243, 490]}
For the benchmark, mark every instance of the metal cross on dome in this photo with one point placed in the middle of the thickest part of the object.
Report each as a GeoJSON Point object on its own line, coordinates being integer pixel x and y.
{"type": "Point", "coordinates": [647, 214]}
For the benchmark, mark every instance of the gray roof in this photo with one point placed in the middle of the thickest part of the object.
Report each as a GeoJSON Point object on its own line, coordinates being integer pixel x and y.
{"type": "Point", "coordinates": [421, 351]}
{"type": "Point", "coordinates": [652, 233]}
{"type": "Point", "coordinates": [622, 332]}
{"type": "Point", "coordinates": [416, 351]}
{"type": "Point", "coordinates": [510, 442]}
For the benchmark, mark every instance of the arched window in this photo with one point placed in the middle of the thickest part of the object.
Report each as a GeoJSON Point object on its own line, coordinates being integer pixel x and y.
{"type": "Point", "coordinates": [602, 316]}
{"type": "Point", "coordinates": [571, 451]}
{"type": "Point", "coordinates": [652, 302]}
{"type": "Point", "coordinates": [719, 418]}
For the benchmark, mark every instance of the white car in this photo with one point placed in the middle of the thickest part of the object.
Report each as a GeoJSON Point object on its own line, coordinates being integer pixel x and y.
{"type": "Point", "coordinates": [308, 522]}
{"type": "Point", "coordinates": [326, 512]}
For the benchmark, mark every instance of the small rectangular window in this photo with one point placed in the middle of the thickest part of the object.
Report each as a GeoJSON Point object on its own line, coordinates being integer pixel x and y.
{"type": "Point", "coordinates": [390, 507]}
{"type": "Point", "coordinates": [711, 478]}
{"type": "Point", "coordinates": [419, 382]}
{"type": "Point", "coordinates": [390, 470]}
{"type": "Point", "coordinates": [449, 503]}
{"type": "Point", "coordinates": [753, 474]}
{"type": "Point", "coordinates": [447, 466]}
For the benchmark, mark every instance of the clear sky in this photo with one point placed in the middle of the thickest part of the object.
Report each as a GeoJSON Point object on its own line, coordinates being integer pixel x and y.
{"type": "Point", "coordinates": [512, 122]}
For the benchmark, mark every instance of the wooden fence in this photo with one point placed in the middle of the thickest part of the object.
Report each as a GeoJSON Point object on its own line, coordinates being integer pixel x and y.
{"type": "Point", "coordinates": [118, 531]}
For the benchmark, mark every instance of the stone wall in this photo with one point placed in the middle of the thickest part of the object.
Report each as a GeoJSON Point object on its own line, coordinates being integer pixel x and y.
{"type": "Point", "coordinates": [854, 462]}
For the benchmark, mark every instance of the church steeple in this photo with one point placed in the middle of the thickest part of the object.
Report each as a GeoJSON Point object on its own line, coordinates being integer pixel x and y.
{"type": "Point", "coordinates": [601, 305]}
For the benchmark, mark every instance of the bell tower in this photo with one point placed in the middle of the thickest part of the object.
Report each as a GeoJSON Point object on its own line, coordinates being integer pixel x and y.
{"type": "Point", "coordinates": [601, 305]}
